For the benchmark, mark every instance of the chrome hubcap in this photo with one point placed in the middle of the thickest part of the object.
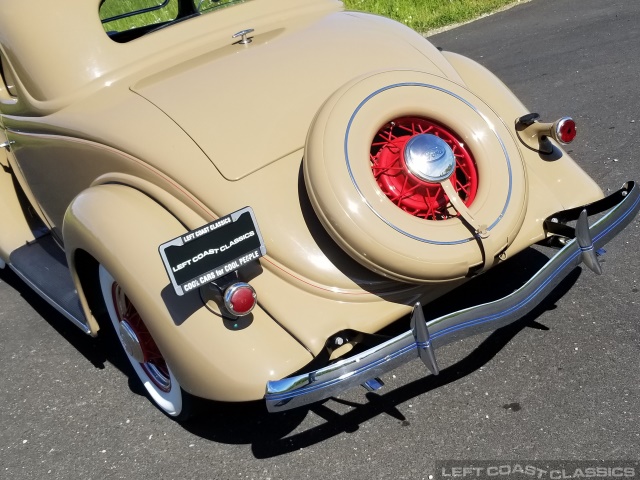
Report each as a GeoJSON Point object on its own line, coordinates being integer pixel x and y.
{"type": "Point", "coordinates": [429, 158]}
{"type": "Point", "coordinates": [130, 342]}
{"type": "Point", "coordinates": [137, 341]}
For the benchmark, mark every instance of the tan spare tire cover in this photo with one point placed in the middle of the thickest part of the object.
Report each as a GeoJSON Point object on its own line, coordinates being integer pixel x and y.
{"type": "Point", "coordinates": [360, 217]}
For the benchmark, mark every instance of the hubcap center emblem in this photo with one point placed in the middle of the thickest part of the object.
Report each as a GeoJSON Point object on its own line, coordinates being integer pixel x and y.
{"type": "Point", "coordinates": [429, 158]}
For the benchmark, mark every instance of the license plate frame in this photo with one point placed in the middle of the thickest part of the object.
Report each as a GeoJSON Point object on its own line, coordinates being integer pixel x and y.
{"type": "Point", "coordinates": [214, 250]}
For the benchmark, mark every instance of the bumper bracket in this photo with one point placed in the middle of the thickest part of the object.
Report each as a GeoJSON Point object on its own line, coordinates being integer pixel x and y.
{"type": "Point", "coordinates": [420, 331]}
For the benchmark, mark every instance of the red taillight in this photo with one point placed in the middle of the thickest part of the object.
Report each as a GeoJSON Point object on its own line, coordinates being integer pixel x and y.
{"type": "Point", "coordinates": [565, 130]}
{"type": "Point", "coordinates": [240, 298]}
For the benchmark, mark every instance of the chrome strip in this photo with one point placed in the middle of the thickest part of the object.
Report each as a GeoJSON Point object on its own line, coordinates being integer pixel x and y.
{"type": "Point", "coordinates": [395, 227]}
{"type": "Point", "coordinates": [162, 382]}
{"type": "Point", "coordinates": [303, 389]}
{"type": "Point", "coordinates": [76, 321]}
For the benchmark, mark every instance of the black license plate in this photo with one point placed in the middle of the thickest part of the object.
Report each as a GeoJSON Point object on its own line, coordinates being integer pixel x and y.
{"type": "Point", "coordinates": [212, 251]}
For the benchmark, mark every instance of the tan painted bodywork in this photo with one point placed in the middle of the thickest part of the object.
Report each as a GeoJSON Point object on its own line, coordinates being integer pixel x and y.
{"type": "Point", "coordinates": [121, 147]}
{"type": "Point", "coordinates": [15, 230]}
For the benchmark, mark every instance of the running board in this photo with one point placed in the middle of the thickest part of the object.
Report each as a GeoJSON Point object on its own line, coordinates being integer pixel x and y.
{"type": "Point", "coordinates": [43, 266]}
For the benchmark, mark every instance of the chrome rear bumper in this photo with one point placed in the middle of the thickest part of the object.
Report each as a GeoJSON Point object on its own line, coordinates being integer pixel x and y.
{"type": "Point", "coordinates": [421, 341]}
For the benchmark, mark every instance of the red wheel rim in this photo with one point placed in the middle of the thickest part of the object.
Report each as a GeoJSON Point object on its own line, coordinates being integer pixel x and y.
{"type": "Point", "coordinates": [154, 364]}
{"type": "Point", "coordinates": [411, 194]}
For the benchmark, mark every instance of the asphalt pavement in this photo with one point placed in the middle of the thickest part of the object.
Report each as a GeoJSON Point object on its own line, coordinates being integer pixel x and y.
{"type": "Point", "coordinates": [563, 384]}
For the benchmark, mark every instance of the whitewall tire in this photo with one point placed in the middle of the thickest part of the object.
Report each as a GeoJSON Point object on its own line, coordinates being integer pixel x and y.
{"type": "Point", "coordinates": [139, 347]}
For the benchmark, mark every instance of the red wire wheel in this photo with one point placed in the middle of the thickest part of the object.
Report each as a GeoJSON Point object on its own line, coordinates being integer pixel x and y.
{"type": "Point", "coordinates": [153, 362]}
{"type": "Point", "coordinates": [148, 363]}
{"type": "Point", "coordinates": [410, 193]}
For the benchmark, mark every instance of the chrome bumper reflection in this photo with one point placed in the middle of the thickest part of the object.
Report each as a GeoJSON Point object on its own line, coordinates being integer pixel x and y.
{"type": "Point", "coordinates": [424, 337]}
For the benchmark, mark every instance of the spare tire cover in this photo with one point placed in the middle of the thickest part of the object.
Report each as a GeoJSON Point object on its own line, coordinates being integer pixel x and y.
{"type": "Point", "coordinates": [366, 223]}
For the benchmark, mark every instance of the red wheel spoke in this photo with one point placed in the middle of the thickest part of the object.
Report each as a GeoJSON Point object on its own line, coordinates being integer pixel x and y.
{"type": "Point", "coordinates": [411, 194]}
{"type": "Point", "coordinates": [153, 359]}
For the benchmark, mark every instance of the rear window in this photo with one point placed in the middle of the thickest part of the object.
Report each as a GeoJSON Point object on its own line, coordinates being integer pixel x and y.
{"type": "Point", "coordinates": [126, 20]}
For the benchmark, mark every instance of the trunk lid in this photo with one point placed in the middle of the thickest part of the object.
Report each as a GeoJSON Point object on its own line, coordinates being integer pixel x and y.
{"type": "Point", "coordinates": [249, 105]}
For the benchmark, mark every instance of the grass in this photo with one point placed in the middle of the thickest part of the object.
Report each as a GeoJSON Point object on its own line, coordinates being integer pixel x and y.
{"type": "Point", "coordinates": [421, 15]}
{"type": "Point", "coordinates": [425, 15]}
{"type": "Point", "coordinates": [112, 8]}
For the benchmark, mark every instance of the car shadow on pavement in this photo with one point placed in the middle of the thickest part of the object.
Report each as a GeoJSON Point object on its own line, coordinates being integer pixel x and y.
{"type": "Point", "coordinates": [275, 434]}
{"type": "Point", "coordinates": [98, 351]}
{"type": "Point", "coordinates": [89, 347]}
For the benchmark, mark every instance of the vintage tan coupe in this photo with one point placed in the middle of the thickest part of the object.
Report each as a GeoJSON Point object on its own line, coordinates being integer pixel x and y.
{"type": "Point", "coordinates": [248, 192]}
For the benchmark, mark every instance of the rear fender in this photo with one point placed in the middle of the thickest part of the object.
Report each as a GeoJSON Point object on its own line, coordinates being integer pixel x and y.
{"type": "Point", "coordinates": [121, 228]}
{"type": "Point", "coordinates": [556, 181]}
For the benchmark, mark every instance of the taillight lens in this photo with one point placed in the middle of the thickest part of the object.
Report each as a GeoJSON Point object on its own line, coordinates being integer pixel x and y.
{"type": "Point", "coordinates": [565, 130]}
{"type": "Point", "coordinates": [239, 299]}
